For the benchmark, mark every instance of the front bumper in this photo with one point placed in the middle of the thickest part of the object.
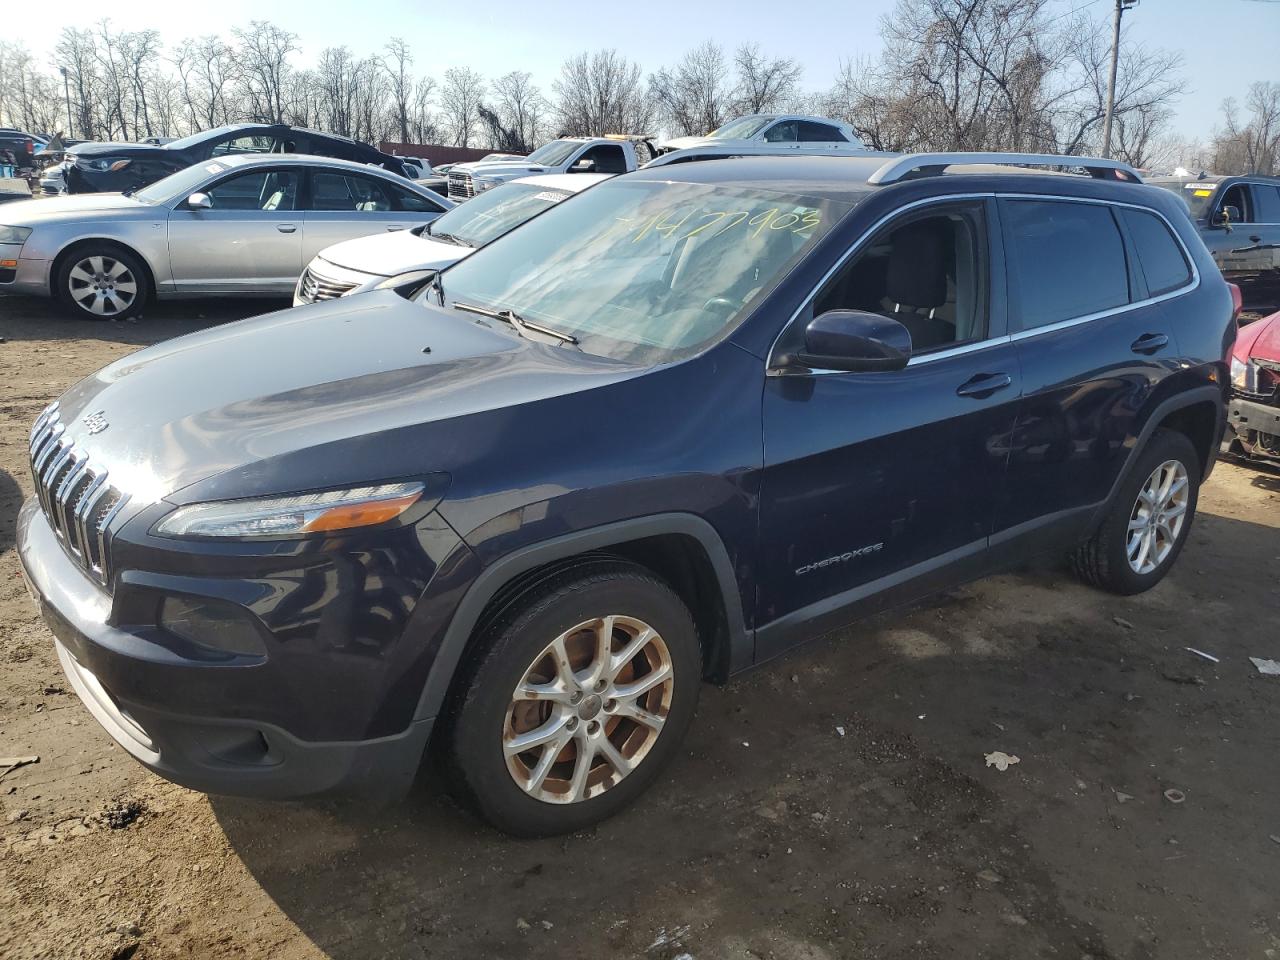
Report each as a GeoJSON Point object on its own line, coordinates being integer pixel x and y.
{"type": "Point", "coordinates": [29, 277]}
{"type": "Point", "coordinates": [1253, 429]}
{"type": "Point", "coordinates": [136, 687]}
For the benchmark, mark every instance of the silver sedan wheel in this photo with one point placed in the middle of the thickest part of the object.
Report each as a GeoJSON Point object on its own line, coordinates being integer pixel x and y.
{"type": "Point", "coordinates": [1158, 516]}
{"type": "Point", "coordinates": [102, 286]}
{"type": "Point", "coordinates": [588, 710]}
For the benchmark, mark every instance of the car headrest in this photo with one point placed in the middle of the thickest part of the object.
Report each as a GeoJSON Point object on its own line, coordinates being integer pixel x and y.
{"type": "Point", "coordinates": [917, 271]}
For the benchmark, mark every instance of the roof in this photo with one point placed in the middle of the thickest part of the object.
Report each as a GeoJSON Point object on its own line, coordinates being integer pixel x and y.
{"type": "Point", "coordinates": [835, 177]}
{"type": "Point", "coordinates": [311, 160]}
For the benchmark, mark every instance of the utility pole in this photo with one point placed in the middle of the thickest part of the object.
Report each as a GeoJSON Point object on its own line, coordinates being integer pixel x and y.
{"type": "Point", "coordinates": [66, 88]}
{"type": "Point", "coordinates": [1121, 7]}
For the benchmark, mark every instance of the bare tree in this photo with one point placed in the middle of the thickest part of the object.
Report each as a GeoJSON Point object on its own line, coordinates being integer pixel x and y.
{"type": "Point", "coordinates": [262, 54]}
{"type": "Point", "coordinates": [423, 126]}
{"type": "Point", "coordinates": [398, 64]}
{"type": "Point", "coordinates": [1252, 147]}
{"type": "Point", "coordinates": [693, 97]}
{"type": "Point", "coordinates": [599, 93]}
{"type": "Point", "coordinates": [460, 100]}
{"type": "Point", "coordinates": [1148, 83]}
{"type": "Point", "coordinates": [520, 112]}
{"type": "Point", "coordinates": [765, 84]}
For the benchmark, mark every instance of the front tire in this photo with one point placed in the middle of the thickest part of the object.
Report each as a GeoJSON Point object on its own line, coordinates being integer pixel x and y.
{"type": "Point", "coordinates": [580, 693]}
{"type": "Point", "coordinates": [1148, 523]}
{"type": "Point", "coordinates": [103, 282]}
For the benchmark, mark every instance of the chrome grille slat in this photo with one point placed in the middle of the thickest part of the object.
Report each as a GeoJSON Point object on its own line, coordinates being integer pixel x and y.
{"type": "Point", "coordinates": [65, 490]}
{"type": "Point", "coordinates": [74, 495]}
{"type": "Point", "coordinates": [316, 287]}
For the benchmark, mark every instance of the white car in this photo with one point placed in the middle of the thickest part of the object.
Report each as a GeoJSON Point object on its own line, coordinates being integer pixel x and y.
{"type": "Point", "coordinates": [355, 266]}
{"type": "Point", "coordinates": [809, 134]}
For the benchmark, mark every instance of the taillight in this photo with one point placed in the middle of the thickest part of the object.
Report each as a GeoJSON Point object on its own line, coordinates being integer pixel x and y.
{"type": "Point", "coordinates": [1237, 302]}
{"type": "Point", "coordinates": [31, 147]}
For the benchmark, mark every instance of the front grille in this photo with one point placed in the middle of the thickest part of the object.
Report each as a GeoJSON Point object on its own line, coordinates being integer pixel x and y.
{"type": "Point", "coordinates": [316, 287]}
{"type": "Point", "coordinates": [74, 495]}
{"type": "Point", "coordinates": [461, 186]}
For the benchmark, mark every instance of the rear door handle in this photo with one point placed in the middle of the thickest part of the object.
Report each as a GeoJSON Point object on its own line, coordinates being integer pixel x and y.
{"type": "Point", "coordinates": [1256, 239]}
{"type": "Point", "coordinates": [983, 385]}
{"type": "Point", "coordinates": [1149, 343]}
{"type": "Point", "coordinates": [287, 227]}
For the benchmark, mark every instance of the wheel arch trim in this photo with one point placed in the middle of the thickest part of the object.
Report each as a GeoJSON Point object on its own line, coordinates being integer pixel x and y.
{"type": "Point", "coordinates": [502, 571]}
{"type": "Point", "coordinates": [68, 248]}
{"type": "Point", "coordinates": [1154, 420]}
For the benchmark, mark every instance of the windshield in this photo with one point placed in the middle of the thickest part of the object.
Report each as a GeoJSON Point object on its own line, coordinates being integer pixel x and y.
{"type": "Point", "coordinates": [645, 271]}
{"type": "Point", "coordinates": [554, 153]}
{"type": "Point", "coordinates": [180, 184]}
{"type": "Point", "coordinates": [1197, 194]}
{"type": "Point", "coordinates": [195, 138]}
{"type": "Point", "coordinates": [496, 212]}
{"type": "Point", "coordinates": [744, 128]}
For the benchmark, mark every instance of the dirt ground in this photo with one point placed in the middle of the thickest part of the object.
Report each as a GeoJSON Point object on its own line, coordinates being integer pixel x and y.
{"type": "Point", "coordinates": [832, 804]}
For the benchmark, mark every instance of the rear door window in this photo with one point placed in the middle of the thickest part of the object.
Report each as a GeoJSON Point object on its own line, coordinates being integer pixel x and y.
{"type": "Point", "coordinates": [337, 191]}
{"type": "Point", "coordinates": [1065, 260]}
{"type": "Point", "coordinates": [810, 132]}
{"type": "Point", "coordinates": [1160, 256]}
{"type": "Point", "coordinates": [1267, 200]}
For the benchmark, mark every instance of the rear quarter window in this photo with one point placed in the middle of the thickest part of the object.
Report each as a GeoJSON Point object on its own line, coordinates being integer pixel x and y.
{"type": "Point", "coordinates": [1065, 259]}
{"type": "Point", "coordinates": [1160, 256]}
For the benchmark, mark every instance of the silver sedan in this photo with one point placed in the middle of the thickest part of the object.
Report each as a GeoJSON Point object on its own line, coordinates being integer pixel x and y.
{"type": "Point", "coordinates": [228, 226]}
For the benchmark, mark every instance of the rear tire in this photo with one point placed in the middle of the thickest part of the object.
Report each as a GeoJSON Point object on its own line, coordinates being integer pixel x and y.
{"type": "Point", "coordinates": [540, 677]}
{"type": "Point", "coordinates": [1149, 520]}
{"type": "Point", "coordinates": [100, 281]}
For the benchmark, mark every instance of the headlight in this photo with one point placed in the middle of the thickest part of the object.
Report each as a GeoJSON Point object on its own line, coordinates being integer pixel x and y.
{"type": "Point", "coordinates": [14, 234]}
{"type": "Point", "coordinates": [482, 184]}
{"type": "Point", "coordinates": [1244, 375]}
{"type": "Point", "coordinates": [291, 516]}
{"type": "Point", "coordinates": [408, 285]}
{"type": "Point", "coordinates": [104, 164]}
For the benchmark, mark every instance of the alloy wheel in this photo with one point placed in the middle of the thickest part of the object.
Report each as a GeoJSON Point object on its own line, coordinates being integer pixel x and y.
{"type": "Point", "coordinates": [102, 286]}
{"type": "Point", "coordinates": [1158, 517]}
{"type": "Point", "coordinates": [588, 710]}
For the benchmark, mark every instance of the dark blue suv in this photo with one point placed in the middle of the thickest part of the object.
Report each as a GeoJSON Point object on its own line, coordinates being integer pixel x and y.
{"type": "Point", "coordinates": [519, 510]}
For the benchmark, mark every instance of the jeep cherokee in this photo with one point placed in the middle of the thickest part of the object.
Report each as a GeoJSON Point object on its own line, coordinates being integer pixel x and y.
{"type": "Point", "coordinates": [519, 510]}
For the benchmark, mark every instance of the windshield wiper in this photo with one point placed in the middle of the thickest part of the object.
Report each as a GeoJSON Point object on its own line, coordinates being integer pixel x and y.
{"type": "Point", "coordinates": [517, 321]}
{"type": "Point", "coordinates": [450, 238]}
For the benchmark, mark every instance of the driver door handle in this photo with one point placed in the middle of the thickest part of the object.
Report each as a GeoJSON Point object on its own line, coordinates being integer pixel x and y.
{"type": "Point", "coordinates": [982, 385]}
{"type": "Point", "coordinates": [393, 227]}
{"type": "Point", "coordinates": [287, 227]}
{"type": "Point", "coordinates": [1149, 343]}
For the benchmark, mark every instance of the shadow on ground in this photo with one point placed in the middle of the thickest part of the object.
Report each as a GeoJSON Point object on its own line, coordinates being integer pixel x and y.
{"type": "Point", "coordinates": [836, 803]}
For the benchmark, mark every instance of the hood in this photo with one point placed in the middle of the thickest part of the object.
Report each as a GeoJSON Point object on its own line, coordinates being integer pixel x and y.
{"type": "Point", "coordinates": [197, 406]}
{"type": "Point", "coordinates": [498, 167]}
{"type": "Point", "coordinates": [73, 206]}
{"type": "Point", "coordinates": [386, 254]}
{"type": "Point", "coordinates": [683, 143]}
{"type": "Point", "coordinates": [106, 149]}
{"type": "Point", "coordinates": [1260, 340]}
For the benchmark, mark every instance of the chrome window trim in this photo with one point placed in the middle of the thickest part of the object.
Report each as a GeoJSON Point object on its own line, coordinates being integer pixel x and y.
{"type": "Point", "coordinates": [774, 371]}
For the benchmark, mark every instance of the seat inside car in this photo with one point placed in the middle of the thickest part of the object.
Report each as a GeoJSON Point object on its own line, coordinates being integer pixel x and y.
{"type": "Point", "coordinates": [921, 274]}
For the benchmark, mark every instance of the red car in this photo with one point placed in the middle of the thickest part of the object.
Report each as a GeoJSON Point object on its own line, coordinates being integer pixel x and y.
{"type": "Point", "coordinates": [1253, 420]}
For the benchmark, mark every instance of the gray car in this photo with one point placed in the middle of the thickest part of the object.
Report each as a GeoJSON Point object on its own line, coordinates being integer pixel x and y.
{"type": "Point", "coordinates": [228, 226]}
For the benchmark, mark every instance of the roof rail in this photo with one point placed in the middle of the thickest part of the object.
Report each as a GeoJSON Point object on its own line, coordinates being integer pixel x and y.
{"type": "Point", "coordinates": [932, 164]}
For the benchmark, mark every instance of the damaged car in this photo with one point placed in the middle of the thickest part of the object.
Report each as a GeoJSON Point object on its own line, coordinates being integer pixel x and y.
{"type": "Point", "coordinates": [1253, 418]}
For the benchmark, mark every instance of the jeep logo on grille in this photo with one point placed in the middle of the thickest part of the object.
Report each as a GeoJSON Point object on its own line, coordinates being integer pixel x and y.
{"type": "Point", "coordinates": [96, 422]}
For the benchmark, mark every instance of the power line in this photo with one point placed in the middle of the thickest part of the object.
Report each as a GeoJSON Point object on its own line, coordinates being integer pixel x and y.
{"type": "Point", "coordinates": [1088, 3]}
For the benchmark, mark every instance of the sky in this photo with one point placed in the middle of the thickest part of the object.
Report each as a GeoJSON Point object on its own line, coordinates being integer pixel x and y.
{"type": "Point", "coordinates": [495, 36]}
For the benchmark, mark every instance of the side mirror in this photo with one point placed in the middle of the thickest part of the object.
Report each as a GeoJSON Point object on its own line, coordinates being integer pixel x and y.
{"type": "Point", "coordinates": [199, 201]}
{"type": "Point", "coordinates": [854, 340]}
{"type": "Point", "coordinates": [1227, 216]}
